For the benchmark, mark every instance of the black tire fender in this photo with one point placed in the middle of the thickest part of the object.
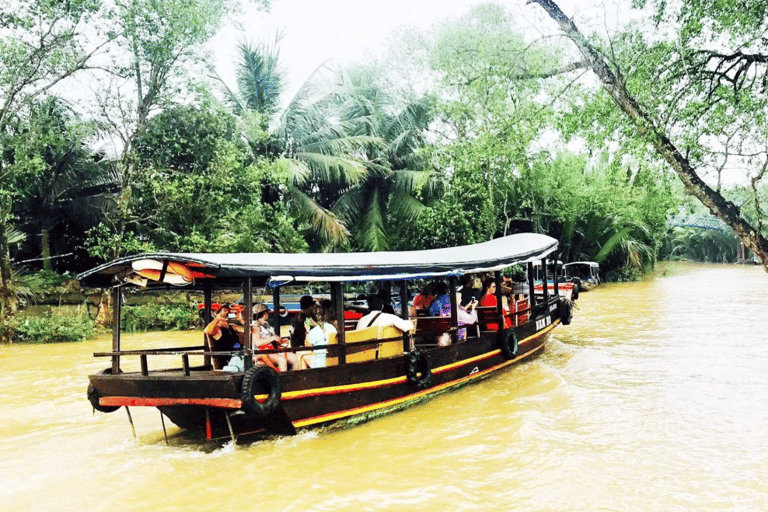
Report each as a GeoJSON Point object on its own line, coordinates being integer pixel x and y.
{"type": "Point", "coordinates": [575, 294]}
{"type": "Point", "coordinates": [509, 347]}
{"type": "Point", "coordinates": [93, 396]}
{"type": "Point", "coordinates": [256, 379]}
{"type": "Point", "coordinates": [418, 371]}
{"type": "Point", "coordinates": [566, 312]}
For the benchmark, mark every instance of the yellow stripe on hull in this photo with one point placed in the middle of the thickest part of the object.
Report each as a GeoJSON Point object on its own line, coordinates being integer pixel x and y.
{"type": "Point", "coordinates": [421, 394]}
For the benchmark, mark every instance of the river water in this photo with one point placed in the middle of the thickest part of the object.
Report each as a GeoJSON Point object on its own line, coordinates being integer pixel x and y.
{"type": "Point", "coordinates": [654, 398]}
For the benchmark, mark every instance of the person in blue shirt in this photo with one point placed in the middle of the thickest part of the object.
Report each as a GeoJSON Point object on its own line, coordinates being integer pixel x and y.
{"type": "Point", "coordinates": [443, 299]}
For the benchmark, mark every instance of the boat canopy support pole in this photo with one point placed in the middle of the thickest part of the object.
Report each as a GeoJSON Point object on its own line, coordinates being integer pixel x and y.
{"type": "Point", "coordinates": [531, 292]}
{"type": "Point", "coordinates": [207, 296]}
{"type": "Point", "coordinates": [499, 305]}
{"type": "Point", "coordinates": [276, 306]}
{"type": "Point", "coordinates": [555, 277]}
{"type": "Point", "coordinates": [248, 319]}
{"type": "Point", "coordinates": [117, 306]}
{"type": "Point", "coordinates": [405, 312]}
{"type": "Point", "coordinates": [337, 296]}
{"type": "Point", "coordinates": [454, 309]}
{"type": "Point", "coordinates": [545, 282]}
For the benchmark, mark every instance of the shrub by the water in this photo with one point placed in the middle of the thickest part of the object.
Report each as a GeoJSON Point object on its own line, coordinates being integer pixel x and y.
{"type": "Point", "coordinates": [153, 317]}
{"type": "Point", "coordinates": [54, 327]}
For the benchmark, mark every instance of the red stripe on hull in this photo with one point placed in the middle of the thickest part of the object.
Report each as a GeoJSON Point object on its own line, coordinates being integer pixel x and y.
{"type": "Point", "coordinates": [128, 401]}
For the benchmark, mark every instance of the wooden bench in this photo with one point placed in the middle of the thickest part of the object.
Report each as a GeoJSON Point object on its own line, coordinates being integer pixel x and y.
{"type": "Point", "coordinates": [433, 324]}
{"type": "Point", "coordinates": [487, 315]}
{"type": "Point", "coordinates": [375, 342]}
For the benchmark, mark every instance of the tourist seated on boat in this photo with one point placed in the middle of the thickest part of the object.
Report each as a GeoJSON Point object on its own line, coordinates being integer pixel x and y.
{"type": "Point", "coordinates": [470, 289]}
{"type": "Point", "coordinates": [329, 313]}
{"type": "Point", "coordinates": [222, 336]}
{"type": "Point", "coordinates": [317, 335]}
{"type": "Point", "coordinates": [266, 339]}
{"type": "Point", "coordinates": [466, 315]}
{"type": "Point", "coordinates": [424, 298]}
{"type": "Point", "coordinates": [382, 301]}
{"type": "Point", "coordinates": [442, 299]}
{"type": "Point", "coordinates": [489, 299]}
{"type": "Point", "coordinates": [380, 318]}
{"type": "Point", "coordinates": [299, 322]}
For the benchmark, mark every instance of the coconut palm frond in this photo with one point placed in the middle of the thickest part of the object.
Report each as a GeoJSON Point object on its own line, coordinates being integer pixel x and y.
{"type": "Point", "coordinates": [26, 287]}
{"type": "Point", "coordinates": [611, 244]}
{"type": "Point", "coordinates": [405, 205]}
{"type": "Point", "coordinates": [409, 181]}
{"type": "Point", "coordinates": [260, 76]}
{"type": "Point", "coordinates": [297, 171]}
{"type": "Point", "coordinates": [372, 233]}
{"type": "Point", "coordinates": [334, 169]}
{"type": "Point", "coordinates": [337, 144]}
{"type": "Point", "coordinates": [350, 205]}
{"type": "Point", "coordinates": [323, 222]}
{"type": "Point", "coordinates": [13, 236]}
{"type": "Point", "coordinates": [637, 253]}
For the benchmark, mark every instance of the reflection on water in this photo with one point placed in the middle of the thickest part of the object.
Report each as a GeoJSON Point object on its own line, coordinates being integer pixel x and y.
{"type": "Point", "coordinates": [654, 398]}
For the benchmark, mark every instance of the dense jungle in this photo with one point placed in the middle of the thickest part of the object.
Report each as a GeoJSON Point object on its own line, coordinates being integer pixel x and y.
{"type": "Point", "coordinates": [118, 136]}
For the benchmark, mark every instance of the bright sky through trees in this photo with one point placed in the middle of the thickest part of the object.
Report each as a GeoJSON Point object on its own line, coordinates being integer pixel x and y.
{"type": "Point", "coordinates": [343, 31]}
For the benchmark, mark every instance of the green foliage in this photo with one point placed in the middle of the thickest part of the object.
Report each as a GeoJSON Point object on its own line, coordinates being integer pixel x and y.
{"type": "Point", "coordinates": [184, 138]}
{"type": "Point", "coordinates": [154, 317]}
{"type": "Point", "coordinates": [700, 245]}
{"type": "Point", "coordinates": [53, 327]}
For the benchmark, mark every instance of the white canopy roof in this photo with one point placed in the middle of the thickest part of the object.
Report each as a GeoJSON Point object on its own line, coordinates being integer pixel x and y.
{"type": "Point", "coordinates": [367, 266]}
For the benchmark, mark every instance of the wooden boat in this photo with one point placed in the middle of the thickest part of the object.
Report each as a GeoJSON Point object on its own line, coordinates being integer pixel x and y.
{"type": "Point", "coordinates": [368, 371]}
{"type": "Point", "coordinates": [585, 273]}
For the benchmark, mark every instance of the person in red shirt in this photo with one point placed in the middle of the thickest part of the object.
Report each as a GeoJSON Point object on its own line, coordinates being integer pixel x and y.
{"type": "Point", "coordinates": [489, 299]}
{"type": "Point", "coordinates": [425, 298]}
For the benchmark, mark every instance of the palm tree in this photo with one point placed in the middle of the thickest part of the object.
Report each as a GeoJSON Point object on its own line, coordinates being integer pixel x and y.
{"type": "Point", "coordinates": [395, 170]}
{"type": "Point", "coordinates": [301, 140]}
{"type": "Point", "coordinates": [72, 186]}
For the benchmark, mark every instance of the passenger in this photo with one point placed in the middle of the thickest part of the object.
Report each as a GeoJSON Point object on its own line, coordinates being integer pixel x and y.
{"type": "Point", "coordinates": [223, 338]}
{"type": "Point", "coordinates": [489, 299]}
{"type": "Point", "coordinates": [442, 300]}
{"type": "Point", "coordinates": [425, 297]}
{"type": "Point", "coordinates": [318, 335]}
{"type": "Point", "coordinates": [470, 289]}
{"type": "Point", "coordinates": [266, 339]}
{"type": "Point", "coordinates": [463, 314]}
{"type": "Point", "coordinates": [384, 320]}
{"type": "Point", "coordinates": [329, 313]}
{"type": "Point", "coordinates": [299, 326]}
{"type": "Point", "coordinates": [382, 301]}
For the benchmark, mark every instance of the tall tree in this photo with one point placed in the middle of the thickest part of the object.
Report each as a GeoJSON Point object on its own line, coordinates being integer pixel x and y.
{"type": "Point", "coordinates": [157, 62]}
{"type": "Point", "coordinates": [44, 42]}
{"type": "Point", "coordinates": [707, 85]}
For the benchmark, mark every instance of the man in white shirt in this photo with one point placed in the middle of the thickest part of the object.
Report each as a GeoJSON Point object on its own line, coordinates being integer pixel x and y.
{"type": "Point", "coordinates": [380, 318]}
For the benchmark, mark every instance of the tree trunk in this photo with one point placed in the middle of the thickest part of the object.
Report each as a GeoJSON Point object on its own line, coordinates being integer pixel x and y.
{"type": "Point", "coordinates": [104, 315]}
{"type": "Point", "coordinates": [45, 248]}
{"type": "Point", "coordinates": [717, 204]}
{"type": "Point", "coordinates": [8, 304]}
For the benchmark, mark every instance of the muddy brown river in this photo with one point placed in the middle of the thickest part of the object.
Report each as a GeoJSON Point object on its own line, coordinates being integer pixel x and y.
{"type": "Point", "coordinates": [655, 398]}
